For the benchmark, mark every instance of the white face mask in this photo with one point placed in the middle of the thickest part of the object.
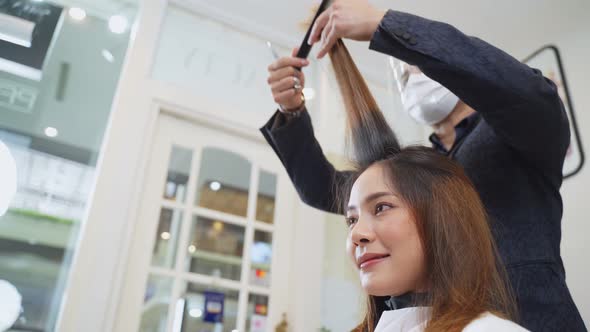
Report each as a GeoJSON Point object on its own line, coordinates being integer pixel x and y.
{"type": "Point", "coordinates": [427, 101]}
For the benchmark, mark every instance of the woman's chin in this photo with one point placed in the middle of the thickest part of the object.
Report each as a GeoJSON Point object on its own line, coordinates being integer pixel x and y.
{"type": "Point", "coordinates": [374, 288]}
{"type": "Point", "coordinates": [378, 290]}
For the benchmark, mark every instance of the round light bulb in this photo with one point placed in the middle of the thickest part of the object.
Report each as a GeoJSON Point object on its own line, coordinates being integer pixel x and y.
{"type": "Point", "coordinates": [215, 186]}
{"type": "Point", "coordinates": [10, 305]}
{"type": "Point", "coordinates": [51, 132]}
{"type": "Point", "coordinates": [77, 14]}
{"type": "Point", "coordinates": [192, 248]}
{"type": "Point", "coordinates": [196, 313]}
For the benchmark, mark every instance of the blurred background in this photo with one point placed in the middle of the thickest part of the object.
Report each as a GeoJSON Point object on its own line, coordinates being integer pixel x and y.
{"type": "Point", "coordinates": [147, 199]}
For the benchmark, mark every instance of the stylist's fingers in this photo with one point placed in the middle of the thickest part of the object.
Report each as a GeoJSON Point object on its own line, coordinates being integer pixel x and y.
{"type": "Point", "coordinates": [329, 37]}
{"type": "Point", "coordinates": [294, 52]}
{"type": "Point", "coordinates": [287, 62]}
{"type": "Point", "coordinates": [318, 26]}
{"type": "Point", "coordinates": [286, 83]}
{"type": "Point", "coordinates": [278, 75]}
{"type": "Point", "coordinates": [286, 97]}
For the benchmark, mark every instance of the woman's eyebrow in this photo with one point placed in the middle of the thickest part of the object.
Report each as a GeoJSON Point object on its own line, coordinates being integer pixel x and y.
{"type": "Point", "coordinates": [371, 197]}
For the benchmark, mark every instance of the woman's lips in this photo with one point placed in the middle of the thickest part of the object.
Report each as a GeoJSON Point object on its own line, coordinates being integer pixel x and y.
{"type": "Point", "coordinates": [370, 261]}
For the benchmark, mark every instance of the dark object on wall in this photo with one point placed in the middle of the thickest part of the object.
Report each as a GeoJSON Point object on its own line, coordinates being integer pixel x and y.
{"type": "Point", "coordinates": [26, 36]}
{"type": "Point", "coordinates": [62, 81]}
{"type": "Point", "coordinates": [548, 60]}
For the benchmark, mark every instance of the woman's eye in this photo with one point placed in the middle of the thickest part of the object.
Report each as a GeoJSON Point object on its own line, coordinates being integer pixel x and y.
{"type": "Point", "coordinates": [350, 221]}
{"type": "Point", "coordinates": [382, 207]}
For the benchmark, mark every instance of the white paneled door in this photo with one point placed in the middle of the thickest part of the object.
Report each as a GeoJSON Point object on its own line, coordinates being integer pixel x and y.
{"type": "Point", "coordinates": [210, 245]}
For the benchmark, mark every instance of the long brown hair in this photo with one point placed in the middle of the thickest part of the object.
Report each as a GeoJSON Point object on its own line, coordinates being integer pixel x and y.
{"type": "Point", "coordinates": [466, 277]}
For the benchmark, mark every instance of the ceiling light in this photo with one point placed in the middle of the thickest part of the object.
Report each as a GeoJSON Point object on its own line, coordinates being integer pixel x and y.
{"type": "Point", "coordinates": [214, 185]}
{"type": "Point", "coordinates": [77, 14]}
{"type": "Point", "coordinates": [118, 24]}
{"type": "Point", "coordinates": [165, 236]}
{"type": "Point", "coordinates": [51, 132]}
{"type": "Point", "coordinates": [309, 93]}
{"type": "Point", "coordinates": [108, 55]}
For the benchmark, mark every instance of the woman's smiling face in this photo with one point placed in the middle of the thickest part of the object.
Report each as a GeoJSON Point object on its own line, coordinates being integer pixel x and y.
{"type": "Point", "coordinates": [383, 240]}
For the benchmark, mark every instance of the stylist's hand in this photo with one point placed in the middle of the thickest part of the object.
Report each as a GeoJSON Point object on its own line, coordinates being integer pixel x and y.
{"type": "Point", "coordinates": [283, 78]}
{"type": "Point", "coordinates": [352, 19]}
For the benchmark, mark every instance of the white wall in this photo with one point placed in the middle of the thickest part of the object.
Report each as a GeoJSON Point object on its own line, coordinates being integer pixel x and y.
{"type": "Point", "coordinates": [342, 299]}
{"type": "Point", "coordinates": [575, 244]}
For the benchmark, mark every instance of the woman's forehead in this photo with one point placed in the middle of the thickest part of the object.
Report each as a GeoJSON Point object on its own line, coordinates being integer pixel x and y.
{"type": "Point", "coordinates": [373, 179]}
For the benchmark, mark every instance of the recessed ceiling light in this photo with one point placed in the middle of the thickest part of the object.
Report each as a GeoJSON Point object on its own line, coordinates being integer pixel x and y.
{"type": "Point", "coordinates": [77, 14]}
{"type": "Point", "coordinates": [118, 24]}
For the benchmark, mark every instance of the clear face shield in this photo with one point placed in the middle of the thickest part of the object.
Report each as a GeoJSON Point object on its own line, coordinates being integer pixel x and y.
{"type": "Point", "coordinates": [424, 99]}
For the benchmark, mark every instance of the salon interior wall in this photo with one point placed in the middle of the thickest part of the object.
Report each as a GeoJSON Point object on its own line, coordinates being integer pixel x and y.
{"type": "Point", "coordinates": [575, 49]}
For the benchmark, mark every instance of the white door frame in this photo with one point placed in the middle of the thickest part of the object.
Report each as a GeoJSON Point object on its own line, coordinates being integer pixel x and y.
{"type": "Point", "coordinates": [138, 265]}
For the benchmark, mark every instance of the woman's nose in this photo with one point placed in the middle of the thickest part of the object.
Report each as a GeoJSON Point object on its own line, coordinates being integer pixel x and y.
{"type": "Point", "coordinates": [362, 233]}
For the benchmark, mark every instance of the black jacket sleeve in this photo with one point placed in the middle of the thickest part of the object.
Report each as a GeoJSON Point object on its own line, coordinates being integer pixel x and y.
{"type": "Point", "coordinates": [518, 102]}
{"type": "Point", "coordinates": [317, 182]}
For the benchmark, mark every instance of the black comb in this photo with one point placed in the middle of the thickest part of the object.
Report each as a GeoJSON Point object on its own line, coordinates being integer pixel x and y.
{"type": "Point", "coordinates": [305, 48]}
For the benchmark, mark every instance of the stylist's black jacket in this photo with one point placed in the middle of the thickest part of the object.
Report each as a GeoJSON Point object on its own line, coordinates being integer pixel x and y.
{"type": "Point", "coordinates": [512, 149]}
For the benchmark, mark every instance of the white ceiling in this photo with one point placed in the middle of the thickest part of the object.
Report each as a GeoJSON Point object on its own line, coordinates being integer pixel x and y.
{"type": "Point", "coordinates": [518, 27]}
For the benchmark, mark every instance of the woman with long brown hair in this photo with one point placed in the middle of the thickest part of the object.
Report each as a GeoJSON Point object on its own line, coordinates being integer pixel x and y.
{"type": "Point", "coordinates": [418, 232]}
{"type": "Point", "coordinates": [417, 228]}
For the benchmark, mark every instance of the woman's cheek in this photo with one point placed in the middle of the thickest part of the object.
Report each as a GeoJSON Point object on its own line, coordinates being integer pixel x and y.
{"type": "Point", "coordinates": [350, 250]}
